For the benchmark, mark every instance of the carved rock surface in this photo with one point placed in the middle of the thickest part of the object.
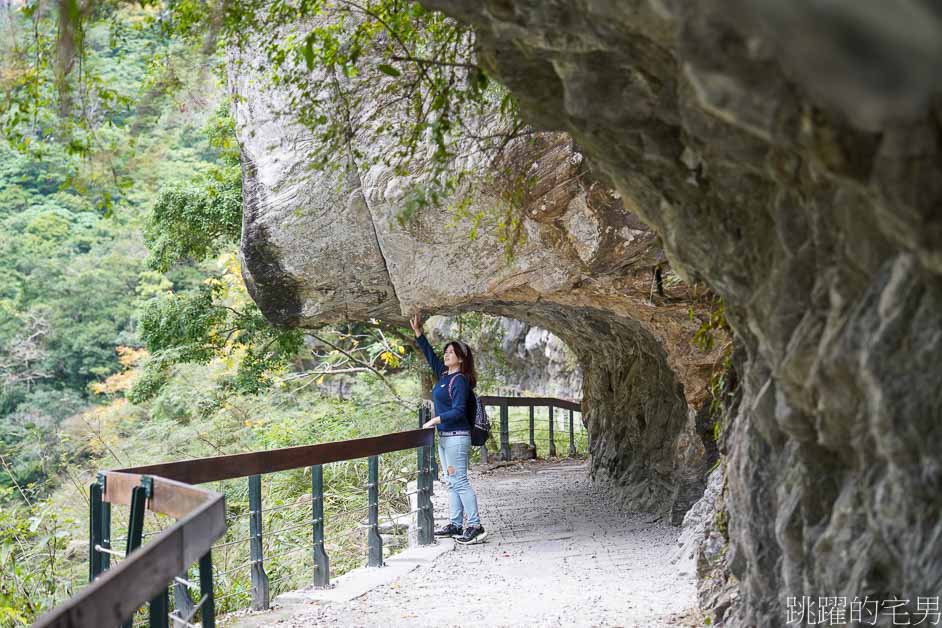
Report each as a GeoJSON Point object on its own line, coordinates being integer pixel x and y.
{"type": "Point", "coordinates": [789, 154]}
{"type": "Point", "coordinates": [323, 246]}
{"type": "Point", "coordinates": [524, 358]}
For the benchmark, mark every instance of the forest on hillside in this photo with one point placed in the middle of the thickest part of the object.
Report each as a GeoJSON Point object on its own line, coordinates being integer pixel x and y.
{"type": "Point", "coordinates": [126, 333]}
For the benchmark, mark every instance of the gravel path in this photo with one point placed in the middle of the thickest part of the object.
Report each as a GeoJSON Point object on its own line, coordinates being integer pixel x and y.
{"type": "Point", "coordinates": [557, 553]}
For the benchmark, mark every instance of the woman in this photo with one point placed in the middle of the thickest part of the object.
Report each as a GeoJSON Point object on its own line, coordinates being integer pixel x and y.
{"type": "Point", "coordinates": [455, 379]}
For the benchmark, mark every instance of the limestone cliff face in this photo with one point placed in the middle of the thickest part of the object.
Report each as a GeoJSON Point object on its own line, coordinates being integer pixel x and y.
{"type": "Point", "coordinates": [789, 154]}
{"type": "Point", "coordinates": [322, 246]}
{"type": "Point", "coordinates": [786, 153]}
{"type": "Point", "coordinates": [519, 357]}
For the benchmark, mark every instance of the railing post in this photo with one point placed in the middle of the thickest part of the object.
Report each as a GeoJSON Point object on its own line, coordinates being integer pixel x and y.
{"type": "Point", "coordinates": [99, 529]}
{"type": "Point", "coordinates": [423, 417]}
{"type": "Point", "coordinates": [321, 560]}
{"type": "Point", "coordinates": [208, 609]}
{"type": "Point", "coordinates": [552, 443]}
{"type": "Point", "coordinates": [260, 588]}
{"type": "Point", "coordinates": [95, 536]}
{"type": "Point", "coordinates": [504, 430]}
{"type": "Point", "coordinates": [105, 557]}
{"type": "Point", "coordinates": [425, 518]}
{"type": "Point", "coordinates": [572, 441]}
{"type": "Point", "coordinates": [159, 606]}
{"type": "Point", "coordinates": [159, 610]}
{"type": "Point", "coordinates": [374, 540]}
{"type": "Point", "coordinates": [136, 526]}
{"type": "Point", "coordinates": [532, 440]}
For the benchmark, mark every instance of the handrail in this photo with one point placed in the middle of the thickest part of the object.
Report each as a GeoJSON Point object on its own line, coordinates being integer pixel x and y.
{"type": "Point", "coordinates": [118, 592]}
{"type": "Point", "coordinates": [504, 403]}
{"type": "Point", "coordinates": [496, 400]}
{"type": "Point", "coordinates": [216, 468]}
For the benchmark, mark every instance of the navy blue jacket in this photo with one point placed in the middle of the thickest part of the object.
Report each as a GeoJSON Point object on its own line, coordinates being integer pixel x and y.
{"type": "Point", "coordinates": [451, 408]}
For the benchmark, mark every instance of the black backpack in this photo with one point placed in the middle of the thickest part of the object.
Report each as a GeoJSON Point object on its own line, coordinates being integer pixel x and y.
{"type": "Point", "coordinates": [480, 425]}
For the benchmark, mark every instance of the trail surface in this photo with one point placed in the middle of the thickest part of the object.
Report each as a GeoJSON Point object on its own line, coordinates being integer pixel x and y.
{"type": "Point", "coordinates": [558, 553]}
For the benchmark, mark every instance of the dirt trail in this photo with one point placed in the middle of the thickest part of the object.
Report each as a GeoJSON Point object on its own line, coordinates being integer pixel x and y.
{"type": "Point", "coordinates": [557, 554]}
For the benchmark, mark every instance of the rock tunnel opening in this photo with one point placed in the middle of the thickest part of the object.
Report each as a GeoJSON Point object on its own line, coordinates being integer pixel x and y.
{"type": "Point", "coordinates": [643, 438]}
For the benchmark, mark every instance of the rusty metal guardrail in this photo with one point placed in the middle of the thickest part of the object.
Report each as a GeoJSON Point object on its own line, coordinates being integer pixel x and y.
{"type": "Point", "coordinates": [504, 402]}
{"type": "Point", "coordinates": [143, 577]}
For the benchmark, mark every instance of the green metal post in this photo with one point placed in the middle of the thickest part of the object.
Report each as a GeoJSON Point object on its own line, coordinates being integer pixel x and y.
{"type": "Point", "coordinates": [136, 526]}
{"type": "Point", "coordinates": [425, 518]}
{"type": "Point", "coordinates": [532, 440]}
{"type": "Point", "coordinates": [374, 540]}
{"type": "Point", "coordinates": [321, 560]}
{"type": "Point", "coordinates": [552, 443]}
{"type": "Point", "coordinates": [425, 414]}
{"type": "Point", "coordinates": [94, 531]}
{"type": "Point", "coordinates": [572, 438]}
{"type": "Point", "coordinates": [260, 588]}
{"type": "Point", "coordinates": [159, 610]}
{"type": "Point", "coordinates": [208, 609]}
{"type": "Point", "coordinates": [104, 557]}
{"type": "Point", "coordinates": [504, 430]}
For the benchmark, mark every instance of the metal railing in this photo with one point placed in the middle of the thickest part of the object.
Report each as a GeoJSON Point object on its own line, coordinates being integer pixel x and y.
{"type": "Point", "coordinates": [147, 572]}
{"type": "Point", "coordinates": [504, 402]}
{"type": "Point", "coordinates": [157, 572]}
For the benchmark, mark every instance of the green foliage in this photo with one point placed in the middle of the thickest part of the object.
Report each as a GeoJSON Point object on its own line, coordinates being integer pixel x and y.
{"type": "Point", "coordinates": [704, 339]}
{"type": "Point", "coordinates": [34, 541]}
{"type": "Point", "coordinates": [71, 280]}
{"type": "Point", "coordinates": [197, 327]}
{"type": "Point", "coordinates": [705, 336]}
{"type": "Point", "coordinates": [195, 221]}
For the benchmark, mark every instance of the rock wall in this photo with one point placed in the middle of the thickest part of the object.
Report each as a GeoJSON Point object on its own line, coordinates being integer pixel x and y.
{"type": "Point", "coordinates": [517, 356]}
{"type": "Point", "coordinates": [322, 246]}
{"type": "Point", "coordinates": [785, 153]}
{"type": "Point", "coordinates": [789, 154]}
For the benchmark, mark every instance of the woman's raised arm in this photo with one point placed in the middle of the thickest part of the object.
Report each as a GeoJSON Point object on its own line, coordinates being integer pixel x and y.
{"type": "Point", "coordinates": [438, 367]}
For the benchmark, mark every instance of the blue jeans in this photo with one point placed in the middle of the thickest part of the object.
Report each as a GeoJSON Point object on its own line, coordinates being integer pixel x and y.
{"type": "Point", "coordinates": [454, 452]}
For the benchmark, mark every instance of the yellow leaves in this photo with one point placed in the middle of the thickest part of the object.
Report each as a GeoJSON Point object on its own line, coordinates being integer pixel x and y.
{"type": "Point", "coordinates": [120, 382]}
{"type": "Point", "coordinates": [129, 356]}
{"type": "Point", "coordinates": [390, 358]}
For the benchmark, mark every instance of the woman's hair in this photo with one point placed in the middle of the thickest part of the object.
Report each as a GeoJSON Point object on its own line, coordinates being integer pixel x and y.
{"type": "Point", "coordinates": [466, 365]}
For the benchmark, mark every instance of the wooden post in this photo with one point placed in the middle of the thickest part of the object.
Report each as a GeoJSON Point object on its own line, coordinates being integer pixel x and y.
{"type": "Point", "coordinates": [260, 585]}
{"type": "Point", "coordinates": [374, 540]}
{"type": "Point", "coordinates": [321, 560]}
{"type": "Point", "coordinates": [552, 443]}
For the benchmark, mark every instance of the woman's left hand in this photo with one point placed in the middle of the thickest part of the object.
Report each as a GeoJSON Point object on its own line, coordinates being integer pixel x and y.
{"type": "Point", "coordinates": [432, 422]}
